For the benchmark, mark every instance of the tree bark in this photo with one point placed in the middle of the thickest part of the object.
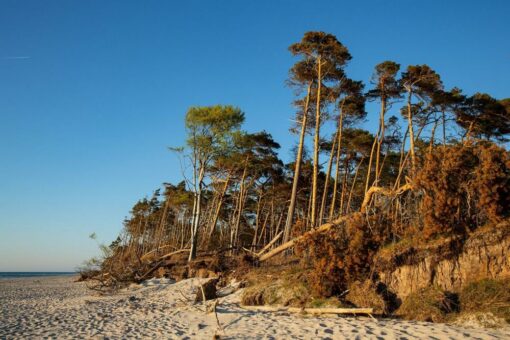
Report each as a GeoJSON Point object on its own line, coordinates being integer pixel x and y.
{"type": "Point", "coordinates": [313, 217]}
{"type": "Point", "coordinates": [218, 209]}
{"type": "Point", "coordinates": [326, 182]}
{"type": "Point", "coordinates": [411, 132]}
{"type": "Point", "coordinates": [291, 243]}
{"type": "Point", "coordinates": [297, 168]}
{"type": "Point", "coordinates": [337, 167]}
{"type": "Point", "coordinates": [197, 213]}
{"type": "Point", "coordinates": [378, 167]}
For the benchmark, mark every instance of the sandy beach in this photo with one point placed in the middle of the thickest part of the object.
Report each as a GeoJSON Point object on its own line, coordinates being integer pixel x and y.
{"type": "Point", "coordinates": [56, 307]}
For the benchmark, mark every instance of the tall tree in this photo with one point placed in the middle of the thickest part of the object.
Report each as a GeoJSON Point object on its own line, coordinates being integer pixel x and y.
{"type": "Point", "coordinates": [446, 103]}
{"type": "Point", "coordinates": [257, 158]}
{"type": "Point", "coordinates": [301, 75]}
{"type": "Point", "coordinates": [483, 116]}
{"type": "Point", "coordinates": [422, 82]}
{"type": "Point", "coordinates": [329, 57]}
{"type": "Point", "coordinates": [210, 130]}
{"type": "Point", "coordinates": [386, 90]}
{"type": "Point", "coordinates": [351, 108]}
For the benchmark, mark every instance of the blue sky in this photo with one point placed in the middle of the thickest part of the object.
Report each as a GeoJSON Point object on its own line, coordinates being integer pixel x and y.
{"type": "Point", "coordinates": [93, 92]}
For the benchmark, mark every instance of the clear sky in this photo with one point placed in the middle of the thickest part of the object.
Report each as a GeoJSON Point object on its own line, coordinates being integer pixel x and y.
{"type": "Point", "coordinates": [93, 92]}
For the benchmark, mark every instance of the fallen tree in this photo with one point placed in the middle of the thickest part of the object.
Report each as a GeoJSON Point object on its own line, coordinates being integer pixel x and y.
{"type": "Point", "coordinates": [323, 228]}
{"type": "Point", "coordinates": [354, 311]}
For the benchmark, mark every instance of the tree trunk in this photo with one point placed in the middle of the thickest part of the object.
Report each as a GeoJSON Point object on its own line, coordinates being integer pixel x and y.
{"type": "Point", "coordinates": [369, 168]}
{"type": "Point", "coordinates": [197, 214]}
{"type": "Point", "coordinates": [218, 209]}
{"type": "Point", "coordinates": [326, 182]}
{"type": "Point", "coordinates": [353, 184]}
{"type": "Point", "coordinates": [432, 133]}
{"type": "Point", "coordinates": [235, 232]}
{"type": "Point", "coordinates": [378, 167]}
{"type": "Point", "coordinates": [291, 243]}
{"type": "Point", "coordinates": [344, 185]}
{"type": "Point", "coordinates": [337, 167]}
{"type": "Point", "coordinates": [297, 168]}
{"type": "Point", "coordinates": [411, 133]}
{"type": "Point", "coordinates": [257, 220]}
{"type": "Point", "coordinates": [443, 116]}
{"type": "Point", "coordinates": [313, 216]}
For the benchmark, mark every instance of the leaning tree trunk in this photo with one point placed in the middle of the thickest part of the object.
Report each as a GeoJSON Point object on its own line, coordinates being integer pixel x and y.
{"type": "Point", "coordinates": [337, 165]}
{"type": "Point", "coordinates": [369, 169]}
{"type": "Point", "coordinates": [218, 210]}
{"type": "Point", "coordinates": [432, 135]}
{"type": "Point", "coordinates": [326, 182]}
{"type": "Point", "coordinates": [297, 168]}
{"type": "Point", "coordinates": [242, 188]}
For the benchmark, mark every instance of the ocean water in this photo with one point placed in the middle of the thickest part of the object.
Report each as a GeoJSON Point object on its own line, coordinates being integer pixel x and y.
{"type": "Point", "coordinates": [11, 275]}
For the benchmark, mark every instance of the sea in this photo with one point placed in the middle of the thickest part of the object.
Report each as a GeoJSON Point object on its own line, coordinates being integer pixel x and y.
{"type": "Point", "coordinates": [12, 275]}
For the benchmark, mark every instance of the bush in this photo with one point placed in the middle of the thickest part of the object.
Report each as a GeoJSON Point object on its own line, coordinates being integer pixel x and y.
{"type": "Point", "coordinates": [493, 183]}
{"type": "Point", "coordinates": [341, 256]}
{"type": "Point", "coordinates": [463, 186]}
{"type": "Point", "coordinates": [364, 294]}
{"type": "Point", "coordinates": [430, 304]}
{"type": "Point", "coordinates": [487, 295]}
{"type": "Point", "coordinates": [285, 286]}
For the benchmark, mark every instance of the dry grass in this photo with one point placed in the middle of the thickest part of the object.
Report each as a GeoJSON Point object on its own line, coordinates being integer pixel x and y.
{"type": "Point", "coordinates": [276, 285]}
{"type": "Point", "coordinates": [430, 304]}
{"type": "Point", "coordinates": [488, 296]}
{"type": "Point", "coordinates": [364, 294]}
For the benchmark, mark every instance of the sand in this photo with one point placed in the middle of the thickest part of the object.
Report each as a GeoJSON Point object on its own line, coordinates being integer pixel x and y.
{"type": "Point", "coordinates": [55, 307]}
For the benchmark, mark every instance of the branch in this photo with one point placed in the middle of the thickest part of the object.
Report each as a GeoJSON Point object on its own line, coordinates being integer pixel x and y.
{"type": "Point", "coordinates": [273, 241]}
{"type": "Point", "coordinates": [382, 191]}
{"type": "Point", "coordinates": [173, 253]}
{"type": "Point", "coordinates": [155, 250]}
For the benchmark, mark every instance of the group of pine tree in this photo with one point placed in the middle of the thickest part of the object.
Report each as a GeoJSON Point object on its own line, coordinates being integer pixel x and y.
{"type": "Point", "coordinates": [436, 165]}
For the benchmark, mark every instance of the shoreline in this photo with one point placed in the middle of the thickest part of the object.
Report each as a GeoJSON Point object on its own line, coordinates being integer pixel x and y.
{"type": "Point", "coordinates": [57, 307]}
{"type": "Point", "coordinates": [38, 277]}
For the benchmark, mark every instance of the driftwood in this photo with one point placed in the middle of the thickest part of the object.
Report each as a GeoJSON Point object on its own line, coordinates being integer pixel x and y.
{"type": "Point", "coordinates": [355, 311]}
{"type": "Point", "coordinates": [323, 228]}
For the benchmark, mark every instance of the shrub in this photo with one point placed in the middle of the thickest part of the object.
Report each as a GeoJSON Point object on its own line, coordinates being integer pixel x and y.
{"type": "Point", "coordinates": [364, 294]}
{"type": "Point", "coordinates": [487, 295]}
{"type": "Point", "coordinates": [340, 256]}
{"type": "Point", "coordinates": [493, 183]}
{"type": "Point", "coordinates": [463, 186]}
{"type": "Point", "coordinates": [430, 304]}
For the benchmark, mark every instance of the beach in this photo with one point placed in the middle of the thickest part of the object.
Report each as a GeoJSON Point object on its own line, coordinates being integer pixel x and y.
{"type": "Point", "coordinates": [57, 307]}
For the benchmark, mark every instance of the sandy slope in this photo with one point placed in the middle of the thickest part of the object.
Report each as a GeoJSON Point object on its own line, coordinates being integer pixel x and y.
{"type": "Point", "coordinates": [57, 308]}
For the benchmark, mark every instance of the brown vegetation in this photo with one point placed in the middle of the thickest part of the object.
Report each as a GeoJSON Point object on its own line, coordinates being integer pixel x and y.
{"type": "Point", "coordinates": [387, 199]}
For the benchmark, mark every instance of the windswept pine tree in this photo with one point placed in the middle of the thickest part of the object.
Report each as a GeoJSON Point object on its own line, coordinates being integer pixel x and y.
{"type": "Point", "coordinates": [329, 57]}
{"type": "Point", "coordinates": [210, 133]}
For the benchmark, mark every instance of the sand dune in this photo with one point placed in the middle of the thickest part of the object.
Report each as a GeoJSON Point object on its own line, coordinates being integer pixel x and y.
{"type": "Point", "coordinates": [55, 307]}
